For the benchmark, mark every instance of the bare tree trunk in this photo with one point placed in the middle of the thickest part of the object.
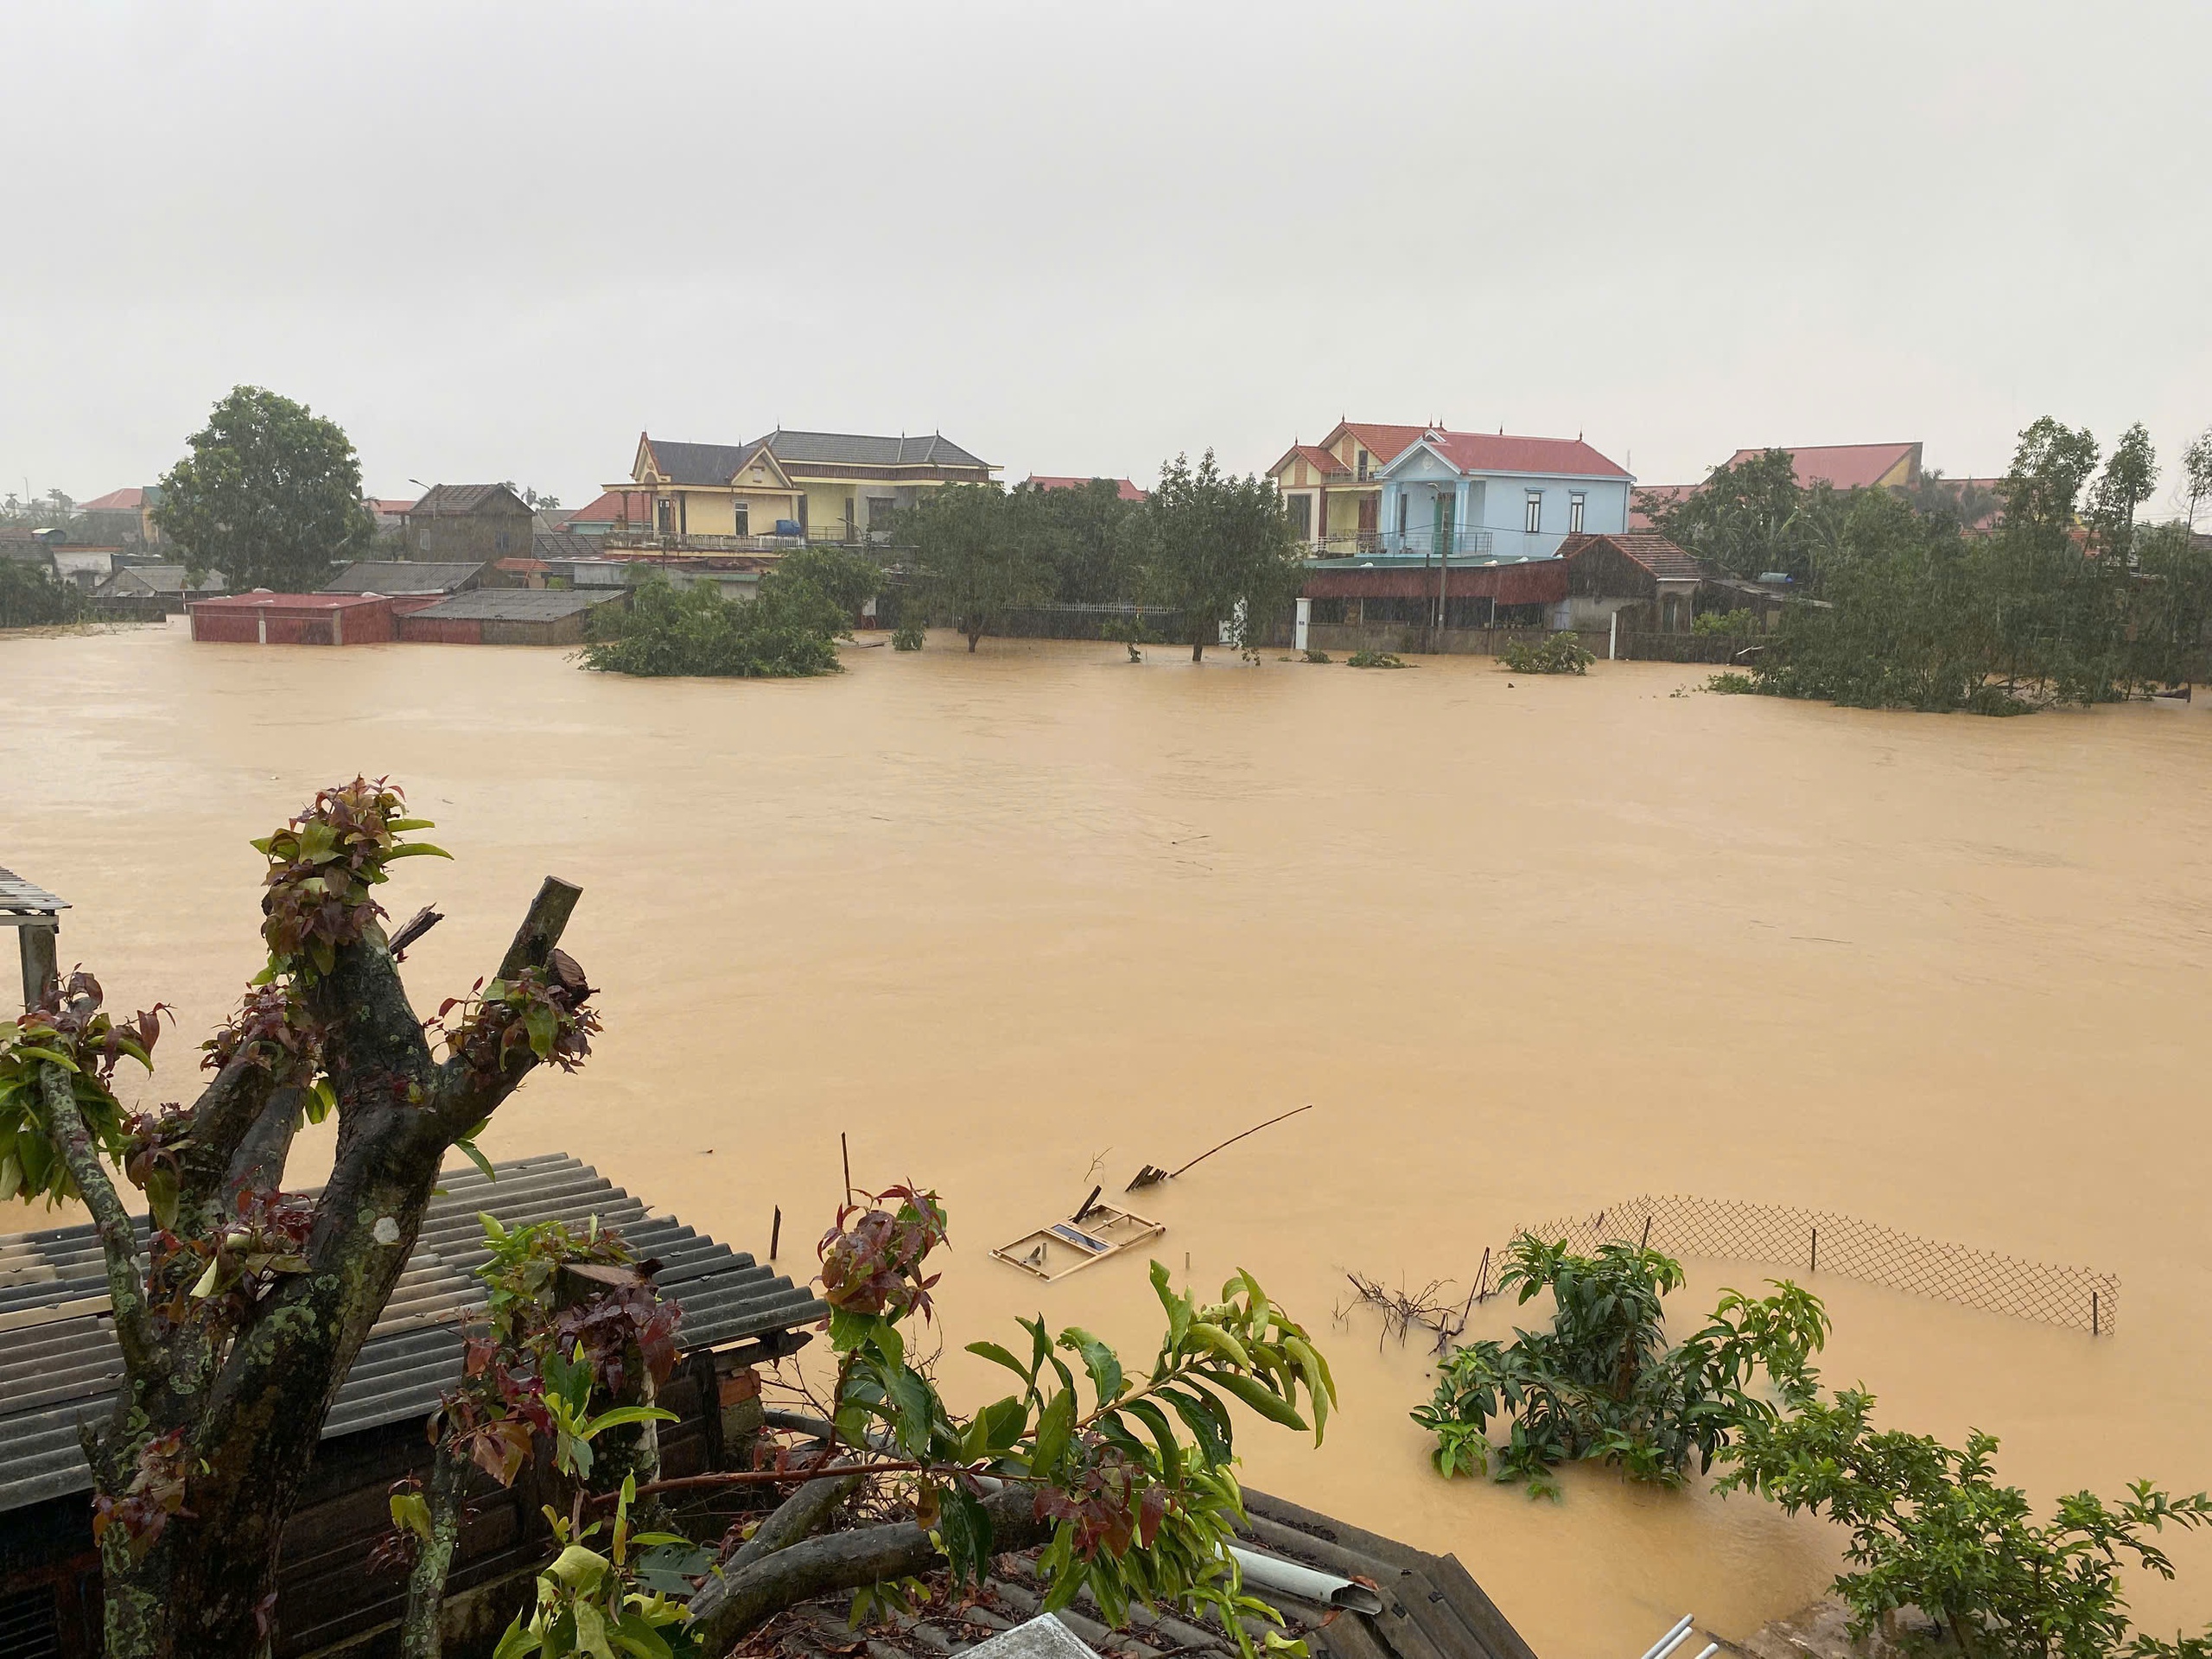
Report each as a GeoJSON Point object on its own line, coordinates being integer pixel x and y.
{"type": "Point", "coordinates": [1197, 651]}
{"type": "Point", "coordinates": [420, 1636]}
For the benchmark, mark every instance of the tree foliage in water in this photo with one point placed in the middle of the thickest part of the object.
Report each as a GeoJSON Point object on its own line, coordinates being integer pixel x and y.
{"type": "Point", "coordinates": [1555, 653]}
{"type": "Point", "coordinates": [270, 495]}
{"type": "Point", "coordinates": [2067, 598]}
{"type": "Point", "coordinates": [1603, 1384]}
{"type": "Point", "coordinates": [31, 597]}
{"type": "Point", "coordinates": [1931, 1528]}
{"type": "Point", "coordinates": [1219, 550]}
{"type": "Point", "coordinates": [790, 628]}
{"type": "Point", "coordinates": [976, 554]}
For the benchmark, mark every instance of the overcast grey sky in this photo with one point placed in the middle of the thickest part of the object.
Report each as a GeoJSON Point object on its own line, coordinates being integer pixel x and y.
{"type": "Point", "coordinates": [498, 240]}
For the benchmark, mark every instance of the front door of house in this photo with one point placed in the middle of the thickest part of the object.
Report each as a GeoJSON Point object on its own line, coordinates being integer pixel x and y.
{"type": "Point", "coordinates": [1444, 504]}
{"type": "Point", "coordinates": [1369, 510]}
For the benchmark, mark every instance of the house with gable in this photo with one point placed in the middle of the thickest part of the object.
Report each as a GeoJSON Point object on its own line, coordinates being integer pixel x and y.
{"type": "Point", "coordinates": [1333, 489]}
{"type": "Point", "coordinates": [1494, 496]}
{"type": "Point", "coordinates": [826, 486]}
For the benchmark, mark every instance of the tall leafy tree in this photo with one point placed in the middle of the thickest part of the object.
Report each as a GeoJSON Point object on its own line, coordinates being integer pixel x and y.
{"type": "Point", "coordinates": [1752, 517]}
{"type": "Point", "coordinates": [1085, 538]}
{"type": "Point", "coordinates": [977, 554]}
{"type": "Point", "coordinates": [2123, 487]}
{"type": "Point", "coordinates": [1218, 548]}
{"type": "Point", "coordinates": [2196, 474]}
{"type": "Point", "coordinates": [270, 495]}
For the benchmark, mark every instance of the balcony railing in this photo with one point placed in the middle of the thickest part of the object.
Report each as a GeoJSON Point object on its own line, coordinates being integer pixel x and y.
{"type": "Point", "coordinates": [1405, 544]}
{"type": "Point", "coordinates": [835, 534]}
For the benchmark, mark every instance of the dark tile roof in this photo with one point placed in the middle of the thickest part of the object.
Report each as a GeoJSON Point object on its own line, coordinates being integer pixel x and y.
{"type": "Point", "coordinates": [59, 1363]}
{"type": "Point", "coordinates": [447, 499]}
{"type": "Point", "coordinates": [518, 604]}
{"type": "Point", "coordinates": [851, 449]}
{"type": "Point", "coordinates": [700, 463]}
{"type": "Point", "coordinates": [563, 545]}
{"type": "Point", "coordinates": [160, 579]}
{"type": "Point", "coordinates": [1432, 1607]}
{"type": "Point", "coordinates": [404, 576]}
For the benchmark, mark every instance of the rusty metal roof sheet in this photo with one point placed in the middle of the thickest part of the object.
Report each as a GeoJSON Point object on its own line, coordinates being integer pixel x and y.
{"type": "Point", "coordinates": [58, 1362]}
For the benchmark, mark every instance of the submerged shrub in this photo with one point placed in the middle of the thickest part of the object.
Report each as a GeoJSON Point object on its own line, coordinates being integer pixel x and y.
{"type": "Point", "coordinates": [1374, 659]}
{"type": "Point", "coordinates": [1556, 653]}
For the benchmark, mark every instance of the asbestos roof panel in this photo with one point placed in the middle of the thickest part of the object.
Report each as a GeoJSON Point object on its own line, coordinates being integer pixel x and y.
{"type": "Point", "coordinates": [59, 1363]}
{"type": "Point", "coordinates": [402, 576]}
{"type": "Point", "coordinates": [19, 895]}
{"type": "Point", "coordinates": [518, 604]}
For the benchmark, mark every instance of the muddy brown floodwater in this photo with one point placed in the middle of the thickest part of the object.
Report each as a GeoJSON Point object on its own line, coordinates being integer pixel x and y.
{"type": "Point", "coordinates": [1528, 944]}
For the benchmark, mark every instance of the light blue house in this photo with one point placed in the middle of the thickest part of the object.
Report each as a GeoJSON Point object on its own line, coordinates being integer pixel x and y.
{"type": "Point", "coordinates": [1489, 496]}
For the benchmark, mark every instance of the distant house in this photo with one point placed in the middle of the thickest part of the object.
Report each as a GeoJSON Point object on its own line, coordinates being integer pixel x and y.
{"type": "Point", "coordinates": [476, 522]}
{"type": "Point", "coordinates": [1122, 487]}
{"type": "Point", "coordinates": [32, 546]}
{"type": "Point", "coordinates": [548, 544]}
{"type": "Point", "coordinates": [1840, 466]}
{"type": "Point", "coordinates": [833, 486]}
{"type": "Point", "coordinates": [509, 616]}
{"type": "Point", "coordinates": [1490, 495]}
{"type": "Point", "coordinates": [1639, 575]}
{"type": "Point", "coordinates": [390, 516]}
{"type": "Point", "coordinates": [120, 517]}
{"type": "Point", "coordinates": [87, 566]}
{"type": "Point", "coordinates": [614, 510]}
{"type": "Point", "coordinates": [160, 582]}
{"type": "Point", "coordinates": [1333, 489]}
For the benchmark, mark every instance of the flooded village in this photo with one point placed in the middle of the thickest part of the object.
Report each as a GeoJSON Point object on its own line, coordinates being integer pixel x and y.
{"type": "Point", "coordinates": [1071, 1010]}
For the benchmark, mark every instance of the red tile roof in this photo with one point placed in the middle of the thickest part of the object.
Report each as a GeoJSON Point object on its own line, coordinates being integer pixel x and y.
{"type": "Point", "coordinates": [609, 509]}
{"type": "Point", "coordinates": [1648, 548]}
{"type": "Point", "coordinates": [1498, 452]}
{"type": "Point", "coordinates": [115, 502]}
{"type": "Point", "coordinates": [1313, 455]}
{"type": "Point", "coordinates": [1846, 465]}
{"type": "Point", "coordinates": [1128, 491]}
{"type": "Point", "coordinates": [1385, 443]}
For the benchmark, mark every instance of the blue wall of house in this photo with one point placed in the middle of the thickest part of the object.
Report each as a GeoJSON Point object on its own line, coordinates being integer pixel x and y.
{"type": "Point", "coordinates": [1495, 504]}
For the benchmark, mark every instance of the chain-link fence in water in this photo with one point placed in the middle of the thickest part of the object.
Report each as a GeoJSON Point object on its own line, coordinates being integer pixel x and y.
{"type": "Point", "coordinates": [1815, 1242]}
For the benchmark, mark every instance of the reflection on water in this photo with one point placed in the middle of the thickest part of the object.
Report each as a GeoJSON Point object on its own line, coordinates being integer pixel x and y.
{"type": "Point", "coordinates": [1526, 946]}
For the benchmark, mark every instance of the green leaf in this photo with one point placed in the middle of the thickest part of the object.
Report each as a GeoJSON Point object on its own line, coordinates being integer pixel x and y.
{"type": "Point", "coordinates": [579, 1567]}
{"type": "Point", "coordinates": [418, 849]}
{"type": "Point", "coordinates": [998, 1355]}
{"type": "Point", "coordinates": [467, 1147]}
{"type": "Point", "coordinates": [1104, 1366]}
{"type": "Point", "coordinates": [518, 1643]}
{"type": "Point", "coordinates": [1273, 1407]}
{"type": "Point", "coordinates": [205, 1286]}
{"type": "Point", "coordinates": [1171, 1450]}
{"type": "Point", "coordinates": [1216, 1340]}
{"type": "Point", "coordinates": [1054, 1429]}
{"type": "Point", "coordinates": [621, 1414]}
{"type": "Point", "coordinates": [411, 1513]}
{"type": "Point", "coordinates": [637, 1638]}
{"type": "Point", "coordinates": [591, 1631]}
{"type": "Point", "coordinates": [50, 1056]}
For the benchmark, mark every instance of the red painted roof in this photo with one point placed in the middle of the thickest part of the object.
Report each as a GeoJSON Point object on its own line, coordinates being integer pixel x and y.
{"type": "Point", "coordinates": [1315, 455]}
{"type": "Point", "coordinates": [1498, 452]}
{"type": "Point", "coordinates": [115, 502]}
{"type": "Point", "coordinates": [1846, 465]}
{"type": "Point", "coordinates": [1128, 491]}
{"type": "Point", "coordinates": [1385, 443]}
{"type": "Point", "coordinates": [289, 601]}
{"type": "Point", "coordinates": [608, 509]}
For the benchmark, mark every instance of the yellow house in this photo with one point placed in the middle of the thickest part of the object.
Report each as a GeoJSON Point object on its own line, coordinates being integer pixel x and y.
{"type": "Point", "coordinates": [834, 485]}
{"type": "Point", "coordinates": [1333, 489]}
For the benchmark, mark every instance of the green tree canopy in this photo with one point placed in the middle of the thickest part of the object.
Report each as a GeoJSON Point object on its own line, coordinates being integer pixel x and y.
{"type": "Point", "coordinates": [1216, 548]}
{"type": "Point", "coordinates": [1085, 536]}
{"type": "Point", "coordinates": [1752, 517]}
{"type": "Point", "coordinates": [977, 553]}
{"type": "Point", "coordinates": [270, 495]}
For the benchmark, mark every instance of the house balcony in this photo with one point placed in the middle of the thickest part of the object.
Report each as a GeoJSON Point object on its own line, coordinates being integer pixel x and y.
{"type": "Point", "coordinates": [1426, 544]}
{"type": "Point", "coordinates": [835, 534]}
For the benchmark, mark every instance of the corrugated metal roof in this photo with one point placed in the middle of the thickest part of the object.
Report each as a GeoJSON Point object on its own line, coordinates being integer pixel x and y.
{"type": "Point", "coordinates": [563, 545]}
{"type": "Point", "coordinates": [59, 1363]}
{"type": "Point", "coordinates": [854, 450]}
{"type": "Point", "coordinates": [518, 604]}
{"type": "Point", "coordinates": [19, 896]}
{"type": "Point", "coordinates": [404, 576]}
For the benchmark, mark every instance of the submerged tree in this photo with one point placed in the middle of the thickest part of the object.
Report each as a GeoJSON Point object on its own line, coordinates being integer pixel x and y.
{"type": "Point", "coordinates": [239, 1317]}
{"type": "Point", "coordinates": [1603, 1383]}
{"type": "Point", "coordinates": [789, 629]}
{"type": "Point", "coordinates": [976, 554]}
{"type": "Point", "coordinates": [270, 495]}
{"type": "Point", "coordinates": [1218, 550]}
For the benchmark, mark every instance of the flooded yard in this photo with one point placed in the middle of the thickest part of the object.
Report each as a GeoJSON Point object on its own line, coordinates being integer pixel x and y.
{"type": "Point", "coordinates": [1020, 922]}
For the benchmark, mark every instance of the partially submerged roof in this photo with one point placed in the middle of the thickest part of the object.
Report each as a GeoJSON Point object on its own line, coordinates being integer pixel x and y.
{"type": "Point", "coordinates": [520, 604]}
{"type": "Point", "coordinates": [1432, 1607]}
{"type": "Point", "coordinates": [404, 576]}
{"type": "Point", "coordinates": [58, 1362]}
{"type": "Point", "coordinates": [1517, 581]}
{"type": "Point", "coordinates": [263, 597]}
{"type": "Point", "coordinates": [159, 579]}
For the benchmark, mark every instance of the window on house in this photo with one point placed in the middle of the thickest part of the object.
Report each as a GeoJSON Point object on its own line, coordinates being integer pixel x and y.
{"type": "Point", "coordinates": [1363, 466]}
{"type": "Point", "coordinates": [1301, 516]}
{"type": "Point", "coordinates": [500, 541]}
{"type": "Point", "coordinates": [1401, 512]}
{"type": "Point", "coordinates": [1574, 512]}
{"type": "Point", "coordinates": [741, 517]}
{"type": "Point", "coordinates": [1532, 512]}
